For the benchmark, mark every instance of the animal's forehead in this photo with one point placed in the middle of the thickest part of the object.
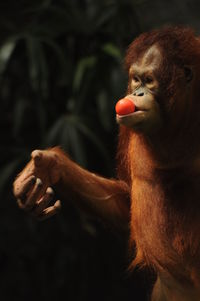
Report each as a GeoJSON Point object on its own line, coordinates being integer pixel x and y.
{"type": "Point", "coordinates": [151, 58]}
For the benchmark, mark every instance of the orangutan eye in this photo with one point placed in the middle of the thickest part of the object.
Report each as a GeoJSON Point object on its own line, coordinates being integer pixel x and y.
{"type": "Point", "coordinates": [136, 79]}
{"type": "Point", "coordinates": [149, 80]}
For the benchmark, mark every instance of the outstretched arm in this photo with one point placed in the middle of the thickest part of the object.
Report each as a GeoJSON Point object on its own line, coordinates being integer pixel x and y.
{"type": "Point", "coordinates": [106, 198]}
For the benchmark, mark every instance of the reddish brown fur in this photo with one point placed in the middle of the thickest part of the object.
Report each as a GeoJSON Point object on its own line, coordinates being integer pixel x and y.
{"type": "Point", "coordinates": [164, 170]}
{"type": "Point", "coordinates": [160, 173]}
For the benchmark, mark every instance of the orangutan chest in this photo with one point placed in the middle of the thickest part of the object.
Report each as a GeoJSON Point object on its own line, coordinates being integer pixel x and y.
{"type": "Point", "coordinates": [164, 237]}
{"type": "Point", "coordinates": [153, 229]}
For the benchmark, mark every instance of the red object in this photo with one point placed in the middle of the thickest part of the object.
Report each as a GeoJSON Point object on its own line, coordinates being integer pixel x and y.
{"type": "Point", "coordinates": [124, 106]}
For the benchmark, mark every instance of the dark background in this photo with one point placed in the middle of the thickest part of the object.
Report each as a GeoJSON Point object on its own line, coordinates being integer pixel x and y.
{"type": "Point", "coordinates": [60, 76]}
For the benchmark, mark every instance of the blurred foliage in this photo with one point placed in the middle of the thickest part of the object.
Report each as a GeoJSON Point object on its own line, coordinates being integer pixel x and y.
{"type": "Point", "coordinates": [60, 76]}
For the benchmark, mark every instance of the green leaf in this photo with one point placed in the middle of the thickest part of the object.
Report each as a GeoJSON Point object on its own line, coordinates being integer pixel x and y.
{"type": "Point", "coordinates": [84, 129]}
{"type": "Point", "coordinates": [103, 110]}
{"type": "Point", "coordinates": [6, 51]}
{"type": "Point", "coordinates": [19, 113]}
{"type": "Point", "coordinates": [105, 17]}
{"type": "Point", "coordinates": [60, 57]}
{"type": "Point", "coordinates": [63, 138]}
{"type": "Point", "coordinates": [112, 50]}
{"type": "Point", "coordinates": [83, 65]}
{"type": "Point", "coordinates": [65, 133]}
{"type": "Point", "coordinates": [76, 145]}
{"type": "Point", "coordinates": [34, 65]}
{"type": "Point", "coordinates": [54, 133]}
{"type": "Point", "coordinates": [38, 68]}
{"type": "Point", "coordinates": [44, 72]}
{"type": "Point", "coordinates": [53, 21]}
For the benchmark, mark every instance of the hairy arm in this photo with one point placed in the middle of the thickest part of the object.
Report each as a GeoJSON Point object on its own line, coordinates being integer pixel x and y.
{"type": "Point", "coordinates": [106, 198]}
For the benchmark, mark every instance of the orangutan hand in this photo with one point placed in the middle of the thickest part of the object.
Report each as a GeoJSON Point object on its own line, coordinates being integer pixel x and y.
{"type": "Point", "coordinates": [32, 187]}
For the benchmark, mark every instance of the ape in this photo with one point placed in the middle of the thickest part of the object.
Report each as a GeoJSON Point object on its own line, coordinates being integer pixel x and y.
{"type": "Point", "coordinates": [157, 190]}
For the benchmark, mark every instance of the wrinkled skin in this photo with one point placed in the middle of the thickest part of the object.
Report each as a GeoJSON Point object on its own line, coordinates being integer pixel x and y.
{"type": "Point", "coordinates": [33, 186]}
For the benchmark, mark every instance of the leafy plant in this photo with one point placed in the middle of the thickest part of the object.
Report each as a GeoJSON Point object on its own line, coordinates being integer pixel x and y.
{"type": "Point", "coordinates": [61, 73]}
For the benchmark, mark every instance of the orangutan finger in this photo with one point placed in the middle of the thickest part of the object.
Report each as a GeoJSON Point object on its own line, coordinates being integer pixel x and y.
{"type": "Point", "coordinates": [41, 157]}
{"type": "Point", "coordinates": [20, 204]}
{"type": "Point", "coordinates": [44, 201]}
{"type": "Point", "coordinates": [50, 211]}
{"type": "Point", "coordinates": [37, 156]}
{"type": "Point", "coordinates": [20, 191]}
{"type": "Point", "coordinates": [34, 195]}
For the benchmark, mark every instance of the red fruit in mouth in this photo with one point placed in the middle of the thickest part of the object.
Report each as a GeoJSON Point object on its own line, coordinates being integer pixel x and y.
{"type": "Point", "coordinates": [124, 106]}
